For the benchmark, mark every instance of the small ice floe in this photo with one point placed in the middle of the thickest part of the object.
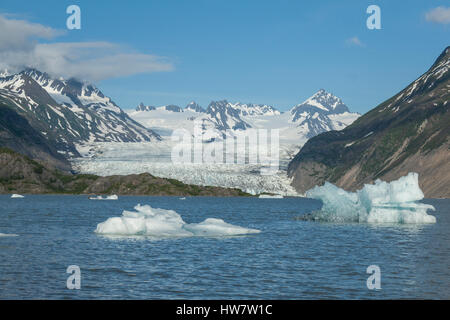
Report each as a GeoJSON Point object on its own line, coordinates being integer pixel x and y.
{"type": "Point", "coordinates": [161, 223]}
{"type": "Point", "coordinates": [112, 197]}
{"type": "Point", "coordinates": [8, 235]}
{"type": "Point", "coordinates": [381, 202]}
{"type": "Point", "coordinates": [268, 196]}
{"type": "Point", "coordinates": [17, 196]}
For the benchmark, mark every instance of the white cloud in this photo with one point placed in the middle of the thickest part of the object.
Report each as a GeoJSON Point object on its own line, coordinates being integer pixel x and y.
{"type": "Point", "coordinates": [354, 42]}
{"type": "Point", "coordinates": [94, 61]}
{"type": "Point", "coordinates": [438, 15]}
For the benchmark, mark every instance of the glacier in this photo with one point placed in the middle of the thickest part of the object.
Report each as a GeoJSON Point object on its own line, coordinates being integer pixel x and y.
{"type": "Point", "coordinates": [381, 202]}
{"type": "Point", "coordinates": [116, 158]}
{"type": "Point", "coordinates": [161, 223]}
{"type": "Point", "coordinates": [321, 112]}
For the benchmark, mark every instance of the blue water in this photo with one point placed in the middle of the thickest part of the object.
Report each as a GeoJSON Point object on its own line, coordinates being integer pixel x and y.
{"type": "Point", "coordinates": [289, 259]}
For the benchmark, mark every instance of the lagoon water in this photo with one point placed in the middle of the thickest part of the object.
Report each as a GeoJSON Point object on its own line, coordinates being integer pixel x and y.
{"type": "Point", "coordinates": [288, 259]}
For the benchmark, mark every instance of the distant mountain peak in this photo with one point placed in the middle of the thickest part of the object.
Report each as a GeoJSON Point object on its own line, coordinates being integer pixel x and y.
{"type": "Point", "coordinates": [326, 101]}
{"type": "Point", "coordinates": [316, 114]}
{"type": "Point", "coordinates": [142, 107]}
{"type": "Point", "coordinates": [443, 57]}
{"type": "Point", "coordinates": [322, 102]}
{"type": "Point", "coordinates": [194, 106]}
{"type": "Point", "coordinates": [4, 73]}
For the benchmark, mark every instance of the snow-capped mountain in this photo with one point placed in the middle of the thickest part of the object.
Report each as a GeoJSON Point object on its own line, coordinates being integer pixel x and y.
{"type": "Point", "coordinates": [225, 116]}
{"type": "Point", "coordinates": [69, 112]}
{"type": "Point", "coordinates": [252, 109]}
{"type": "Point", "coordinates": [219, 116]}
{"type": "Point", "coordinates": [142, 107]}
{"type": "Point", "coordinates": [4, 73]}
{"type": "Point", "coordinates": [320, 113]}
{"type": "Point", "coordinates": [170, 107]}
{"type": "Point", "coordinates": [195, 107]}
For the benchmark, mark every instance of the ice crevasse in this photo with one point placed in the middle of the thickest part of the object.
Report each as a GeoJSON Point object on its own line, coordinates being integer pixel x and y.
{"type": "Point", "coordinates": [381, 202]}
{"type": "Point", "coordinates": [153, 222]}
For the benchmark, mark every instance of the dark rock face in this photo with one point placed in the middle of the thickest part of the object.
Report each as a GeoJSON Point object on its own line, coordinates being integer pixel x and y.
{"type": "Point", "coordinates": [408, 132]}
{"type": "Point", "coordinates": [193, 106]}
{"type": "Point", "coordinates": [17, 134]}
{"type": "Point", "coordinates": [142, 107]}
{"type": "Point", "coordinates": [225, 117]}
{"type": "Point", "coordinates": [173, 108]}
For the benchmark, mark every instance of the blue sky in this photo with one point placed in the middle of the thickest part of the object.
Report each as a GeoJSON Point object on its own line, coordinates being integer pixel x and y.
{"type": "Point", "coordinates": [272, 52]}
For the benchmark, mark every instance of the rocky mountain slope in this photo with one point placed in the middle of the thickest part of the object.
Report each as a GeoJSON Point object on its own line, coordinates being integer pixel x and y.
{"type": "Point", "coordinates": [68, 112]}
{"type": "Point", "coordinates": [408, 132]}
{"type": "Point", "coordinates": [195, 107]}
{"type": "Point", "coordinates": [16, 133]}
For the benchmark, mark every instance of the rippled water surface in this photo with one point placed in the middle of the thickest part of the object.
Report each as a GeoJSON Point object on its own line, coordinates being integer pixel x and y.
{"type": "Point", "coordinates": [289, 259]}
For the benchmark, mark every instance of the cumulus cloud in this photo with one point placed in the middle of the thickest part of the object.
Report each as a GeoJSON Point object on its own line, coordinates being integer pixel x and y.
{"type": "Point", "coordinates": [438, 15]}
{"type": "Point", "coordinates": [20, 47]}
{"type": "Point", "coordinates": [354, 41]}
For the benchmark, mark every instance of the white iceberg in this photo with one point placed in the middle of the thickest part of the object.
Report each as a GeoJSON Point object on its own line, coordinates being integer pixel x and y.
{"type": "Point", "coordinates": [8, 235]}
{"type": "Point", "coordinates": [112, 197]}
{"type": "Point", "coordinates": [153, 222]}
{"type": "Point", "coordinates": [267, 196]}
{"type": "Point", "coordinates": [382, 202]}
{"type": "Point", "coordinates": [17, 196]}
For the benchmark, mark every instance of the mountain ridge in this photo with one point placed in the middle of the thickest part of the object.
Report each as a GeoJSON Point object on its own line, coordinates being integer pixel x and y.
{"type": "Point", "coordinates": [68, 112]}
{"type": "Point", "coordinates": [321, 112]}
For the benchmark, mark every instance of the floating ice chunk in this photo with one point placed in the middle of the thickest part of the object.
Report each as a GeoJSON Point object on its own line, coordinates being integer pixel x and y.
{"type": "Point", "coordinates": [112, 197]}
{"type": "Point", "coordinates": [267, 196]}
{"type": "Point", "coordinates": [338, 204]}
{"type": "Point", "coordinates": [8, 235]}
{"type": "Point", "coordinates": [216, 227]}
{"type": "Point", "coordinates": [381, 202]}
{"type": "Point", "coordinates": [17, 196]}
{"type": "Point", "coordinates": [148, 221]}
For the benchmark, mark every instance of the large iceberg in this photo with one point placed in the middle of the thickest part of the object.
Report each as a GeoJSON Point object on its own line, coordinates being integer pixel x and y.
{"type": "Point", "coordinates": [382, 202]}
{"type": "Point", "coordinates": [153, 222]}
